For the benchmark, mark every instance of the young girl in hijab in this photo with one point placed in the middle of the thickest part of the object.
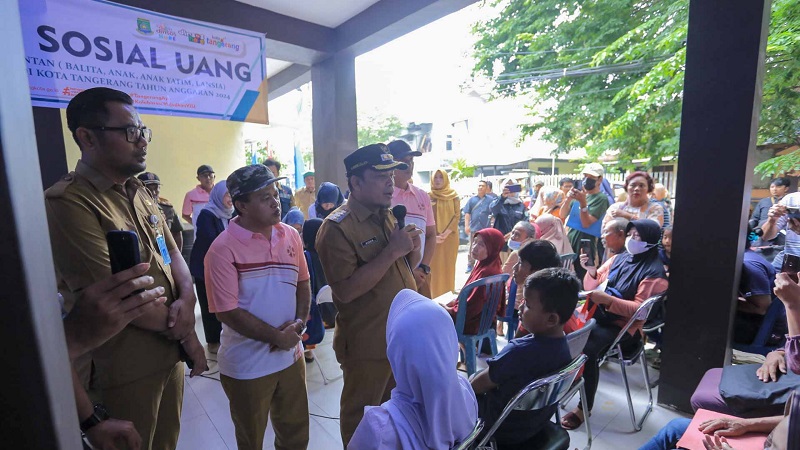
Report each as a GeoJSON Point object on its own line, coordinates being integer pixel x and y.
{"type": "Point", "coordinates": [633, 277]}
{"type": "Point", "coordinates": [329, 197]}
{"type": "Point", "coordinates": [486, 247]}
{"type": "Point", "coordinates": [432, 406]}
{"type": "Point", "coordinates": [212, 220]}
{"type": "Point", "coordinates": [446, 211]}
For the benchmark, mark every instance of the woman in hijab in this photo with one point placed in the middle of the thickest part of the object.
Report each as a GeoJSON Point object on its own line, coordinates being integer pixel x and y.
{"type": "Point", "coordinates": [295, 219]}
{"type": "Point", "coordinates": [553, 230]}
{"type": "Point", "coordinates": [432, 406]}
{"type": "Point", "coordinates": [446, 211]}
{"type": "Point", "coordinates": [310, 229]}
{"type": "Point", "coordinates": [486, 246]}
{"type": "Point", "coordinates": [633, 277]}
{"type": "Point", "coordinates": [507, 210]}
{"type": "Point", "coordinates": [549, 202]}
{"type": "Point", "coordinates": [329, 197]}
{"type": "Point", "coordinates": [212, 220]}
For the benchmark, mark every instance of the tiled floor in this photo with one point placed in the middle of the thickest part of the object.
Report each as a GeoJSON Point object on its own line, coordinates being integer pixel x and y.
{"type": "Point", "coordinates": [206, 422]}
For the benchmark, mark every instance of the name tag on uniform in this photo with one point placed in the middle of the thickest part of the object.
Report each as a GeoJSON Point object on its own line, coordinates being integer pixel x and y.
{"type": "Point", "coordinates": [162, 247]}
{"type": "Point", "coordinates": [369, 242]}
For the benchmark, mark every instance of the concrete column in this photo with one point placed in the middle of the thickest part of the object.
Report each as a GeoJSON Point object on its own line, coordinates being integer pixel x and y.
{"type": "Point", "coordinates": [722, 98]}
{"type": "Point", "coordinates": [333, 86]}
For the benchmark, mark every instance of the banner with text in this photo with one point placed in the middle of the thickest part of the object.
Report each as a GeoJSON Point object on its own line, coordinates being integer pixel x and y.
{"type": "Point", "coordinates": [168, 65]}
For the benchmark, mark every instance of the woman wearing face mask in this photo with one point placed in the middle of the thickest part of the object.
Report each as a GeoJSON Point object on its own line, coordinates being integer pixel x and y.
{"type": "Point", "coordinates": [633, 277]}
{"type": "Point", "coordinates": [329, 197]}
{"type": "Point", "coordinates": [446, 211]}
{"type": "Point", "coordinates": [507, 210]}
{"type": "Point", "coordinates": [638, 185]}
{"type": "Point", "coordinates": [211, 222]}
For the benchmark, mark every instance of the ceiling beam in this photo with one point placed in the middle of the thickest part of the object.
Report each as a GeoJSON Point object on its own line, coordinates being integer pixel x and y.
{"type": "Point", "coordinates": [288, 80]}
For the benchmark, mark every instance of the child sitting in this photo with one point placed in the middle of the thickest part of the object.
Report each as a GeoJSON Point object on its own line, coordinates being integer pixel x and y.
{"type": "Point", "coordinates": [550, 298]}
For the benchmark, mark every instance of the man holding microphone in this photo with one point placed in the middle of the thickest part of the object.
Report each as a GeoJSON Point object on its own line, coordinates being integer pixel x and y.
{"type": "Point", "coordinates": [367, 260]}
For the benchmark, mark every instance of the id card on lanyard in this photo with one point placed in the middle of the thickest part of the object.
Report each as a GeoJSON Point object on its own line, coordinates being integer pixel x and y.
{"type": "Point", "coordinates": [160, 241]}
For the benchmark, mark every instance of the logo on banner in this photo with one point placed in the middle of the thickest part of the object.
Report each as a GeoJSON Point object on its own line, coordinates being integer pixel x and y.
{"type": "Point", "coordinates": [143, 26]}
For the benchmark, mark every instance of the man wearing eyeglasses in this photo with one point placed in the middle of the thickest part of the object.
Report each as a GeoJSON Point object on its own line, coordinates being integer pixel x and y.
{"type": "Point", "coordinates": [137, 374]}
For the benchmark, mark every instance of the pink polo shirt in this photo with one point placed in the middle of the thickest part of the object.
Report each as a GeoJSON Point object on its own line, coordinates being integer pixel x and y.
{"type": "Point", "coordinates": [259, 275]}
{"type": "Point", "coordinates": [194, 201]}
{"type": "Point", "coordinates": [418, 208]}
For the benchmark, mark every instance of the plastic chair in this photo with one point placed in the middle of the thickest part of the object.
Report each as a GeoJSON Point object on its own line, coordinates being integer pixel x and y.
{"type": "Point", "coordinates": [512, 315]}
{"type": "Point", "coordinates": [472, 436]}
{"type": "Point", "coordinates": [567, 260]}
{"type": "Point", "coordinates": [577, 341]}
{"type": "Point", "coordinates": [315, 328]}
{"type": "Point", "coordinates": [495, 287]}
{"type": "Point", "coordinates": [540, 394]}
{"type": "Point", "coordinates": [615, 354]}
{"type": "Point", "coordinates": [759, 345]}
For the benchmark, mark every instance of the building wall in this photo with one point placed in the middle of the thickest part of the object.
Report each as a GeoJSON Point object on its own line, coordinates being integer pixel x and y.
{"type": "Point", "coordinates": [179, 146]}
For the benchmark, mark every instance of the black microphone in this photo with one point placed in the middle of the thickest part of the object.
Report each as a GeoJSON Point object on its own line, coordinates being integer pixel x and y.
{"type": "Point", "coordinates": [399, 212]}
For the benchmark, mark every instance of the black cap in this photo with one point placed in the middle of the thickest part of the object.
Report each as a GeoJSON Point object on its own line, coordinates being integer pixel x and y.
{"type": "Point", "coordinates": [204, 168]}
{"type": "Point", "coordinates": [249, 179]}
{"type": "Point", "coordinates": [401, 149]}
{"type": "Point", "coordinates": [149, 178]}
{"type": "Point", "coordinates": [374, 156]}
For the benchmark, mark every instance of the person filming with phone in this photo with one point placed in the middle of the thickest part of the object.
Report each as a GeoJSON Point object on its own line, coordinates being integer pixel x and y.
{"type": "Point", "coordinates": [784, 216]}
{"type": "Point", "coordinates": [508, 210]}
{"type": "Point", "coordinates": [583, 211]}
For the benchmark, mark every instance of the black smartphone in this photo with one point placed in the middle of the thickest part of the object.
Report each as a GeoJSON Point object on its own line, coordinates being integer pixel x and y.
{"type": "Point", "coordinates": [578, 184]}
{"type": "Point", "coordinates": [586, 249]}
{"type": "Point", "coordinates": [793, 213]}
{"type": "Point", "coordinates": [123, 250]}
{"type": "Point", "coordinates": [515, 188]}
{"type": "Point", "coordinates": [791, 265]}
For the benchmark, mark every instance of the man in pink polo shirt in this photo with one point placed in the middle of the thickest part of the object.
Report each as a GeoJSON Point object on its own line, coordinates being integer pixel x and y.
{"type": "Point", "coordinates": [197, 198]}
{"type": "Point", "coordinates": [419, 210]}
{"type": "Point", "coordinates": [258, 286]}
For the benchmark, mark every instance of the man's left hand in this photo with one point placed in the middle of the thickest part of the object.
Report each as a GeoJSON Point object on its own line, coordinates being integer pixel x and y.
{"type": "Point", "coordinates": [419, 276]}
{"type": "Point", "coordinates": [180, 321]}
{"type": "Point", "coordinates": [580, 196]}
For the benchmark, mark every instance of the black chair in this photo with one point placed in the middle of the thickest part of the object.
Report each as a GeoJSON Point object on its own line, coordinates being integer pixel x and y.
{"type": "Point", "coordinates": [541, 393]}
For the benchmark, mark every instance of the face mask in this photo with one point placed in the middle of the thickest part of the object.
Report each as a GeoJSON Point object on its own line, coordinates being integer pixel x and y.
{"type": "Point", "coordinates": [589, 183]}
{"type": "Point", "coordinates": [635, 247]}
{"type": "Point", "coordinates": [514, 245]}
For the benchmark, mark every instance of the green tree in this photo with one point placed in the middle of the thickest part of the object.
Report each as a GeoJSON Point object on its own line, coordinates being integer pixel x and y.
{"type": "Point", "coordinates": [373, 129]}
{"type": "Point", "coordinates": [607, 75]}
{"type": "Point", "coordinates": [461, 169]}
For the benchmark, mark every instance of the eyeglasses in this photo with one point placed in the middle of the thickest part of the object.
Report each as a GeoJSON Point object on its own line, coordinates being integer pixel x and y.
{"type": "Point", "coordinates": [132, 134]}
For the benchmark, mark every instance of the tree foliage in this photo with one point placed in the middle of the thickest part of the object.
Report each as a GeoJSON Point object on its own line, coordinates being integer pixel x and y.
{"type": "Point", "coordinates": [462, 169]}
{"type": "Point", "coordinates": [607, 75]}
{"type": "Point", "coordinates": [373, 129]}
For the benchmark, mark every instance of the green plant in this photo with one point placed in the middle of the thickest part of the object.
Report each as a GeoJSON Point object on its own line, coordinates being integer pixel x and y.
{"type": "Point", "coordinates": [461, 169]}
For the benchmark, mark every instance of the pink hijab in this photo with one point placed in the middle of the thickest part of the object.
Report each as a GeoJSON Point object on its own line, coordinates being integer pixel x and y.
{"type": "Point", "coordinates": [553, 230]}
{"type": "Point", "coordinates": [432, 407]}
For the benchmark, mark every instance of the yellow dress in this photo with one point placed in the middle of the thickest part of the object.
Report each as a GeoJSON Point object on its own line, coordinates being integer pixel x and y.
{"type": "Point", "coordinates": [446, 212]}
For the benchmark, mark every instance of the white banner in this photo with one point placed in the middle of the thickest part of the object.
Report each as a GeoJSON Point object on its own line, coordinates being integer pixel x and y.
{"type": "Point", "coordinates": [167, 64]}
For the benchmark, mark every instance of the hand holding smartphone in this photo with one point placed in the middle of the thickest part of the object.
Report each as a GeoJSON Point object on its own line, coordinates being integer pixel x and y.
{"type": "Point", "coordinates": [791, 265]}
{"type": "Point", "coordinates": [586, 249]}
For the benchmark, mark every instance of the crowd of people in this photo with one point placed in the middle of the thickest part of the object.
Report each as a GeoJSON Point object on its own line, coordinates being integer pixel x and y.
{"type": "Point", "coordinates": [262, 253]}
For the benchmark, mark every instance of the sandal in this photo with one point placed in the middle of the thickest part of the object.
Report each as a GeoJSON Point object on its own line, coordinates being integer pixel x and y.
{"type": "Point", "coordinates": [571, 421]}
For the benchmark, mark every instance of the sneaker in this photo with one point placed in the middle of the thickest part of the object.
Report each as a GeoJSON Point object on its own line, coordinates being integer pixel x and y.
{"type": "Point", "coordinates": [213, 348]}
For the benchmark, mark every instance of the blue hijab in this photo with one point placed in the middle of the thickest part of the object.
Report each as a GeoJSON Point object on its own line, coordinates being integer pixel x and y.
{"type": "Point", "coordinates": [328, 193]}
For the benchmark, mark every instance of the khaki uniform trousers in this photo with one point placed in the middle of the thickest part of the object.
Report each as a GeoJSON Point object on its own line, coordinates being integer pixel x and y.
{"type": "Point", "coordinates": [284, 395]}
{"type": "Point", "coordinates": [153, 404]}
{"type": "Point", "coordinates": [366, 383]}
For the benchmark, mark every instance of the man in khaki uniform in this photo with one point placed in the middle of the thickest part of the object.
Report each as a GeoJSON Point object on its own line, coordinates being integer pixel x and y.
{"type": "Point", "coordinates": [137, 373]}
{"type": "Point", "coordinates": [367, 260]}
{"type": "Point", "coordinates": [306, 195]}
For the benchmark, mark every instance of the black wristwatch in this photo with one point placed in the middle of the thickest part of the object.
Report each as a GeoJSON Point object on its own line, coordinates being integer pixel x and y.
{"type": "Point", "coordinates": [100, 414]}
{"type": "Point", "coordinates": [425, 268]}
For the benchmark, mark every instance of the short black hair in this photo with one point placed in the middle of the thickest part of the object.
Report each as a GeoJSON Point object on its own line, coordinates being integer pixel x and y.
{"type": "Point", "coordinates": [558, 291]}
{"type": "Point", "coordinates": [540, 254]}
{"type": "Point", "coordinates": [488, 183]}
{"type": "Point", "coordinates": [269, 162]}
{"type": "Point", "coordinates": [89, 109]}
{"type": "Point", "coordinates": [565, 180]}
{"type": "Point", "coordinates": [781, 181]}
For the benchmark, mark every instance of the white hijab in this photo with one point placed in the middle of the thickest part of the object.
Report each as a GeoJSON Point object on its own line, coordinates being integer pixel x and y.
{"type": "Point", "coordinates": [432, 407]}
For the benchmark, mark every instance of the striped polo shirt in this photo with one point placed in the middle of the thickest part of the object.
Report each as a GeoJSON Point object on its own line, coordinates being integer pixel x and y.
{"type": "Point", "coordinates": [418, 208]}
{"type": "Point", "coordinates": [259, 275]}
{"type": "Point", "coordinates": [792, 245]}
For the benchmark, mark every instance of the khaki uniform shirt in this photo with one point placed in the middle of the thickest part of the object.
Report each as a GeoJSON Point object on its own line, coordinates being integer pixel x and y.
{"type": "Point", "coordinates": [303, 198]}
{"type": "Point", "coordinates": [81, 208]}
{"type": "Point", "coordinates": [351, 237]}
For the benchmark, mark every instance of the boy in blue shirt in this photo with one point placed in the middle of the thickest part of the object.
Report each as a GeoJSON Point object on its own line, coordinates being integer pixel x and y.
{"type": "Point", "coordinates": [551, 296]}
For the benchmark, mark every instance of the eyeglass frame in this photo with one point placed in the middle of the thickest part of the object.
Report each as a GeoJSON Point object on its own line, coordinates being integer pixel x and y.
{"type": "Point", "coordinates": [145, 132]}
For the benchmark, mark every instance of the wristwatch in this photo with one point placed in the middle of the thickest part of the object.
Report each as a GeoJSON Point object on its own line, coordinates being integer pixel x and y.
{"type": "Point", "coordinates": [585, 209]}
{"type": "Point", "coordinates": [100, 414]}
{"type": "Point", "coordinates": [425, 268]}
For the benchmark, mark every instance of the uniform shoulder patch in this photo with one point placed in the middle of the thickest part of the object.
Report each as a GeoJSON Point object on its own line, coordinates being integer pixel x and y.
{"type": "Point", "coordinates": [339, 215]}
{"type": "Point", "coordinates": [57, 190]}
